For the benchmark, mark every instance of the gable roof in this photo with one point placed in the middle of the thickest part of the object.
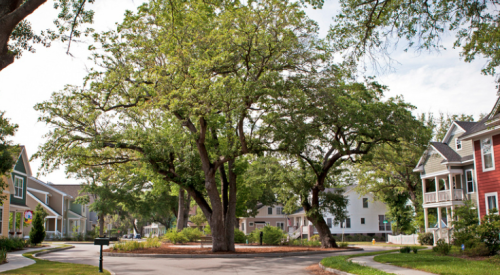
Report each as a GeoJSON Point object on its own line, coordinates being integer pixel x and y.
{"type": "Point", "coordinates": [23, 156]}
{"type": "Point", "coordinates": [49, 186]}
{"type": "Point", "coordinates": [70, 189]}
{"type": "Point", "coordinates": [446, 152]}
{"type": "Point", "coordinates": [42, 203]}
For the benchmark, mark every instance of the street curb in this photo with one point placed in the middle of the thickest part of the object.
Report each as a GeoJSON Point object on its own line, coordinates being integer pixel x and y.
{"type": "Point", "coordinates": [250, 255]}
{"type": "Point", "coordinates": [59, 249]}
{"type": "Point", "coordinates": [334, 271]}
{"type": "Point", "coordinates": [51, 250]}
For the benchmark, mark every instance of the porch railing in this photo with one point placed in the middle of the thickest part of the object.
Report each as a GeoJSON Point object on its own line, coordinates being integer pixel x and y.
{"type": "Point", "coordinates": [443, 195]}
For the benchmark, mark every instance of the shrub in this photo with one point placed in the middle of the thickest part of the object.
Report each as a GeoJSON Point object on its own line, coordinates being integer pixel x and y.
{"type": "Point", "coordinates": [415, 249]}
{"type": "Point", "coordinates": [175, 237]}
{"type": "Point", "coordinates": [192, 234]}
{"type": "Point", "coordinates": [442, 247]}
{"type": "Point", "coordinates": [152, 243]}
{"type": "Point", "coordinates": [3, 255]}
{"type": "Point", "coordinates": [426, 238]}
{"type": "Point", "coordinates": [343, 244]}
{"type": "Point", "coordinates": [239, 236]}
{"type": "Point", "coordinates": [315, 238]}
{"type": "Point", "coordinates": [480, 249]}
{"type": "Point", "coordinates": [207, 230]}
{"type": "Point", "coordinates": [37, 233]}
{"type": "Point", "coordinates": [272, 235]}
{"type": "Point", "coordinates": [489, 231]}
{"type": "Point", "coordinates": [405, 249]}
{"type": "Point", "coordinates": [128, 246]}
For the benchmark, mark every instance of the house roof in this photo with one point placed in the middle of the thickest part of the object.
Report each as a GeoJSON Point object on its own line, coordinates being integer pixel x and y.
{"type": "Point", "coordinates": [446, 151]}
{"type": "Point", "coordinates": [49, 186]}
{"type": "Point", "coordinates": [466, 125]}
{"type": "Point", "coordinates": [70, 189]}
{"type": "Point", "coordinates": [43, 204]}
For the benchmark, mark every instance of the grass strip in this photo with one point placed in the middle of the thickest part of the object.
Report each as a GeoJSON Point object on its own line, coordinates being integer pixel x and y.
{"type": "Point", "coordinates": [57, 268]}
{"type": "Point", "coordinates": [342, 263]}
{"type": "Point", "coordinates": [434, 263]}
{"type": "Point", "coordinates": [381, 244]}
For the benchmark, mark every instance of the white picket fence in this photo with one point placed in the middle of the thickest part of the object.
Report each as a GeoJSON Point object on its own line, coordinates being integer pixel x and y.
{"type": "Point", "coordinates": [403, 239]}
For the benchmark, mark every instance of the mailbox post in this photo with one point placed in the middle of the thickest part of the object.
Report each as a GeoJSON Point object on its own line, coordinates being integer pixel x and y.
{"type": "Point", "coordinates": [101, 242]}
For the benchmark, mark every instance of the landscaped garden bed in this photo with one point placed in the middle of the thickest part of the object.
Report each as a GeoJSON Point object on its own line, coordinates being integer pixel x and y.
{"type": "Point", "coordinates": [168, 248]}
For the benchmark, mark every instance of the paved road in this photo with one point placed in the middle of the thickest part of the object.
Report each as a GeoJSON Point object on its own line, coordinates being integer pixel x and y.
{"type": "Point", "coordinates": [89, 254]}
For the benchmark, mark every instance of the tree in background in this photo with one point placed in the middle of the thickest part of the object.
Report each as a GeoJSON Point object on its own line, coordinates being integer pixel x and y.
{"type": "Point", "coordinates": [325, 120]}
{"type": "Point", "coordinates": [370, 28]}
{"type": "Point", "coordinates": [443, 123]}
{"type": "Point", "coordinates": [16, 34]}
{"type": "Point", "coordinates": [7, 150]}
{"type": "Point", "coordinates": [37, 233]}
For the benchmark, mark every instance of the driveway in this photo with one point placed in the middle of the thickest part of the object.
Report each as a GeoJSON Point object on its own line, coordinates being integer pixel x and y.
{"type": "Point", "coordinates": [89, 254]}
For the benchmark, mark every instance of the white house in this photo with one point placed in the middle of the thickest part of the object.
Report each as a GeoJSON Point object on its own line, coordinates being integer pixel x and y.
{"type": "Point", "coordinates": [366, 217]}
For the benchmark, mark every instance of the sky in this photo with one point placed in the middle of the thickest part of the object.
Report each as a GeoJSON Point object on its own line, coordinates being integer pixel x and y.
{"type": "Point", "coordinates": [432, 82]}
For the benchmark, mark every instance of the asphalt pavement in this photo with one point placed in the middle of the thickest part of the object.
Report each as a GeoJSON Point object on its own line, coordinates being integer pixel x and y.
{"type": "Point", "coordinates": [89, 254]}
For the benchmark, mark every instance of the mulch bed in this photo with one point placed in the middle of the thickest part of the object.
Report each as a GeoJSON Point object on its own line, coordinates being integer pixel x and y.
{"type": "Point", "coordinates": [168, 248]}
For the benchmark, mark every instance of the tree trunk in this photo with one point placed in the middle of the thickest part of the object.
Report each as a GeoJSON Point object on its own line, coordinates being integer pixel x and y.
{"type": "Point", "coordinates": [180, 214]}
{"type": "Point", "coordinates": [325, 236]}
{"type": "Point", "coordinates": [187, 207]}
{"type": "Point", "coordinates": [101, 226]}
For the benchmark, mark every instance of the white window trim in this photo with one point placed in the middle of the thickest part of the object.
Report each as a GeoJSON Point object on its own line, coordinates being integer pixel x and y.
{"type": "Point", "coordinates": [492, 154]}
{"type": "Point", "coordinates": [361, 220]}
{"type": "Point", "coordinates": [22, 187]}
{"type": "Point", "coordinates": [277, 225]}
{"type": "Point", "coordinates": [467, 183]}
{"type": "Point", "coordinates": [250, 224]}
{"type": "Point", "coordinates": [486, 201]}
{"type": "Point", "coordinates": [456, 144]}
{"type": "Point", "coordinates": [367, 203]}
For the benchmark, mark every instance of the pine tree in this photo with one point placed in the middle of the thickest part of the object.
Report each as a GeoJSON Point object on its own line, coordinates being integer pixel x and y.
{"type": "Point", "coordinates": [37, 233]}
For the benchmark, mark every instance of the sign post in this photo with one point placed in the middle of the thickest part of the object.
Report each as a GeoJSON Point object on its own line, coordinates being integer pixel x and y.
{"type": "Point", "coordinates": [101, 242]}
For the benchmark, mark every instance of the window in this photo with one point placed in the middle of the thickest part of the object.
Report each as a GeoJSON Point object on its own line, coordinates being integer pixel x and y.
{"type": "Point", "coordinates": [346, 223]}
{"type": "Point", "coordinates": [280, 225]}
{"type": "Point", "coordinates": [269, 210]}
{"type": "Point", "coordinates": [329, 222]}
{"type": "Point", "coordinates": [491, 200]}
{"type": "Point", "coordinates": [365, 202]}
{"type": "Point", "coordinates": [487, 154]}
{"type": "Point", "coordinates": [362, 220]}
{"type": "Point", "coordinates": [469, 179]}
{"type": "Point", "coordinates": [1, 219]}
{"type": "Point", "coordinates": [459, 144]}
{"type": "Point", "coordinates": [383, 226]}
{"type": "Point", "coordinates": [18, 187]}
{"type": "Point", "coordinates": [47, 198]}
{"type": "Point", "coordinates": [242, 226]}
{"type": "Point", "coordinates": [279, 210]}
{"type": "Point", "coordinates": [250, 224]}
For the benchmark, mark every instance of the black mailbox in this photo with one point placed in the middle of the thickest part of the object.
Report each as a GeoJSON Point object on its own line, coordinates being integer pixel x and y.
{"type": "Point", "coordinates": [101, 241]}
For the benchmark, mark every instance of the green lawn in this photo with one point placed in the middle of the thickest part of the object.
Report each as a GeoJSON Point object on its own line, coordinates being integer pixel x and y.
{"type": "Point", "coordinates": [56, 268]}
{"type": "Point", "coordinates": [444, 265]}
{"type": "Point", "coordinates": [342, 263]}
{"type": "Point", "coordinates": [381, 244]}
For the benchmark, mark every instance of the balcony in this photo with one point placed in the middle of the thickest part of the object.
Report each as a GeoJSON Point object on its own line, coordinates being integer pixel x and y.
{"type": "Point", "coordinates": [443, 196]}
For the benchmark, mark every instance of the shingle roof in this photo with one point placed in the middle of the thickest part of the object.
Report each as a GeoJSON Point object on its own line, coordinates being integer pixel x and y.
{"type": "Point", "coordinates": [446, 151]}
{"type": "Point", "coordinates": [479, 126]}
{"type": "Point", "coordinates": [466, 125]}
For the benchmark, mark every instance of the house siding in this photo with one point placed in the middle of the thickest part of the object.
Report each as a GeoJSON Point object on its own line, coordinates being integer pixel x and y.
{"type": "Point", "coordinates": [20, 201]}
{"type": "Point", "coordinates": [466, 145]}
{"type": "Point", "coordinates": [5, 216]}
{"type": "Point", "coordinates": [487, 181]}
{"type": "Point", "coordinates": [433, 164]}
{"type": "Point", "coordinates": [55, 201]}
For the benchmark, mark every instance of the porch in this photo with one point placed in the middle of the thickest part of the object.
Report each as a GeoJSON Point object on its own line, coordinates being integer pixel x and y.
{"type": "Point", "coordinates": [17, 227]}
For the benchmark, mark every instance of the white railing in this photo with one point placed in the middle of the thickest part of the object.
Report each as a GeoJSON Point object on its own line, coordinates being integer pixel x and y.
{"type": "Point", "coordinates": [52, 234]}
{"type": "Point", "coordinates": [443, 195]}
{"type": "Point", "coordinates": [430, 197]}
{"type": "Point", "coordinates": [294, 234]}
{"type": "Point", "coordinates": [403, 239]}
{"type": "Point", "coordinates": [458, 195]}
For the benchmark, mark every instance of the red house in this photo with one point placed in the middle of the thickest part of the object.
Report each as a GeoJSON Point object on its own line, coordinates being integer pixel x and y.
{"type": "Point", "coordinates": [485, 136]}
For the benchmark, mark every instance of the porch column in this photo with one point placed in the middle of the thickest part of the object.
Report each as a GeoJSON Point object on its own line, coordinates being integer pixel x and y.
{"type": "Point", "coordinates": [55, 230]}
{"type": "Point", "coordinates": [439, 217]}
{"type": "Point", "coordinates": [450, 180]}
{"type": "Point", "coordinates": [436, 182]}
{"type": "Point", "coordinates": [448, 218]}
{"type": "Point", "coordinates": [21, 220]}
{"type": "Point", "coordinates": [426, 218]}
{"type": "Point", "coordinates": [452, 208]}
{"type": "Point", "coordinates": [424, 188]}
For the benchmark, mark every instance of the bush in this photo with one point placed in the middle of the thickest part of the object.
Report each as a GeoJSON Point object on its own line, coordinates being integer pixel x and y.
{"type": "Point", "coordinates": [405, 249]}
{"type": "Point", "coordinates": [442, 247]}
{"type": "Point", "coordinates": [239, 236]}
{"type": "Point", "coordinates": [37, 233]}
{"type": "Point", "coordinates": [152, 243]}
{"type": "Point", "coordinates": [272, 235]}
{"type": "Point", "coordinates": [489, 231]}
{"type": "Point", "coordinates": [480, 249]}
{"type": "Point", "coordinates": [128, 246]}
{"type": "Point", "coordinates": [415, 249]}
{"type": "Point", "coordinates": [315, 238]}
{"type": "Point", "coordinates": [298, 242]}
{"type": "Point", "coordinates": [343, 244]}
{"type": "Point", "coordinates": [426, 238]}
{"type": "Point", "coordinates": [192, 234]}
{"type": "Point", "coordinates": [175, 237]}
{"type": "Point", "coordinates": [3, 255]}
{"type": "Point", "coordinates": [207, 230]}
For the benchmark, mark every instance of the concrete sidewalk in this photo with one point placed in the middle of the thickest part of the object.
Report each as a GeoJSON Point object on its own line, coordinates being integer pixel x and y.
{"type": "Point", "coordinates": [368, 261]}
{"type": "Point", "coordinates": [16, 260]}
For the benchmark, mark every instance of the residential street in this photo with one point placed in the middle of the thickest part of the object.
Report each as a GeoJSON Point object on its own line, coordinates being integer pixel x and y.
{"type": "Point", "coordinates": [89, 254]}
